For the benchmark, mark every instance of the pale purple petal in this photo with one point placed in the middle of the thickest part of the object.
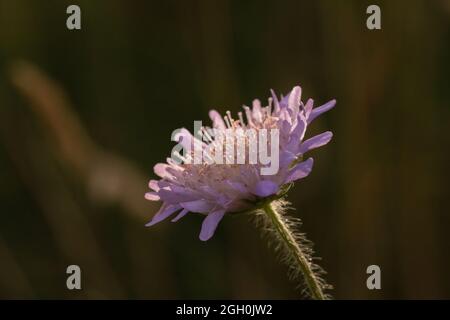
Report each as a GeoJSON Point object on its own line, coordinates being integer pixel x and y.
{"type": "Point", "coordinates": [257, 113]}
{"type": "Point", "coordinates": [319, 110]}
{"type": "Point", "coordinates": [294, 97]}
{"type": "Point", "coordinates": [276, 103]}
{"type": "Point", "coordinates": [266, 188]}
{"type": "Point", "coordinates": [217, 119]}
{"type": "Point", "coordinates": [309, 107]}
{"type": "Point", "coordinates": [200, 206]}
{"type": "Point", "coordinates": [284, 126]}
{"type": "Point", "coordinates": [210, 223]}
{"type": "Point", "coordinates": [284, 102]}
{"type": "Point", "coordinates": [160, 170]}
{"type": "Point", "coordinates": [286, 158]}
{"type": "Point", "coordinates": [152, 196]}
{"type": "Point", "coordinates": [153, 184]}
{"type": "Point", "coordinates": [171, 196]}
{"type": "Point", "coordinates": [316, 142]}
{"type": "Point", "coordinates": [301, 170]}
{"type": "Point", "coordinates": [284, 115]}
{"type": "Point", "coordinates": [297, 135]}
{"type": "Point", "coordinates": [180, 215]}
{"type": "Point", "coordinates": [163, 213]}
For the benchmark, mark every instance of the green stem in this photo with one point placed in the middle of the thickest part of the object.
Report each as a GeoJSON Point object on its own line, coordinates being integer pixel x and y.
{"type": "Point", "coordinates": [291, 244]}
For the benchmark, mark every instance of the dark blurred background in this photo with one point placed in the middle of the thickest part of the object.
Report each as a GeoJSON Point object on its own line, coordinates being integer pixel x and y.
{"type": "Point", "coordinates": [84, 116]}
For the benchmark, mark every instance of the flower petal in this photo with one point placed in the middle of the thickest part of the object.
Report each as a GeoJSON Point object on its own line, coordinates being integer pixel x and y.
{"type": "Point", "coordinates": [166, 171]}
{"type": "Point", "coordinates": [153, 184]}
{"type": "Point", "coordinates": [160, 170]}
{"type": "Point", "coordinates": [217, 120]}
{"type": "Point", "coordinates": [256, 110]}
{"type": "Point", "coordinates": [171, 196]}
{"type": "Point", "coordinates": [200, 206]}
{"type": "Point", "coordinates": [319, 110]}
{"type": "Point", "coordinates": [294, 97]}
{"type": "Point", "coordinates": [300, 171]}
{"type": "Point", "coordinates": [180, 215]}
{"type": "Point", "coordinates": [316, 142]}
{"type": "Point", "coordinates": [163, 213]}
{"type": "Point", "coordinates": [265, 188]}
{"type": "Point", "coordinates": [210, 223]}
{"type": "Point", "coordinates": [286, 158]}
{"type": "Point", "coordinates": [308, 107]}
{"type": "Point", "coordinates": [152, 196]}
{"type": "Point", "coordinates": [297, 135]}
{"type": "Point", "coordinates": [276, 103]}
{"type": "Point", "coordinates": [284, 102]}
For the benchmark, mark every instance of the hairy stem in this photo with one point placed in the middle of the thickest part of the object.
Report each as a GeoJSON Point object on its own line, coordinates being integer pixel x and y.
{"type": "Point", "coordinates": [300, 257]}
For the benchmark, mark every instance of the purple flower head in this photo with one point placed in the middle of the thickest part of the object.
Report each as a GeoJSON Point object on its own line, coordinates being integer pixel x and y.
{"type": "Point", "coordinates": [214, 189]}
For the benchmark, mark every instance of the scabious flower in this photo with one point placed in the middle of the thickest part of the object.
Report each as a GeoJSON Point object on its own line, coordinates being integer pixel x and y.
{"type": "Point", "coordinates": [218, 189]}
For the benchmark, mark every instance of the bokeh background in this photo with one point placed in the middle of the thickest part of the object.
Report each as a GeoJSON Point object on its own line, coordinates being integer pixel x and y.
{"type": "Point", "coordinates": [84, 116]}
